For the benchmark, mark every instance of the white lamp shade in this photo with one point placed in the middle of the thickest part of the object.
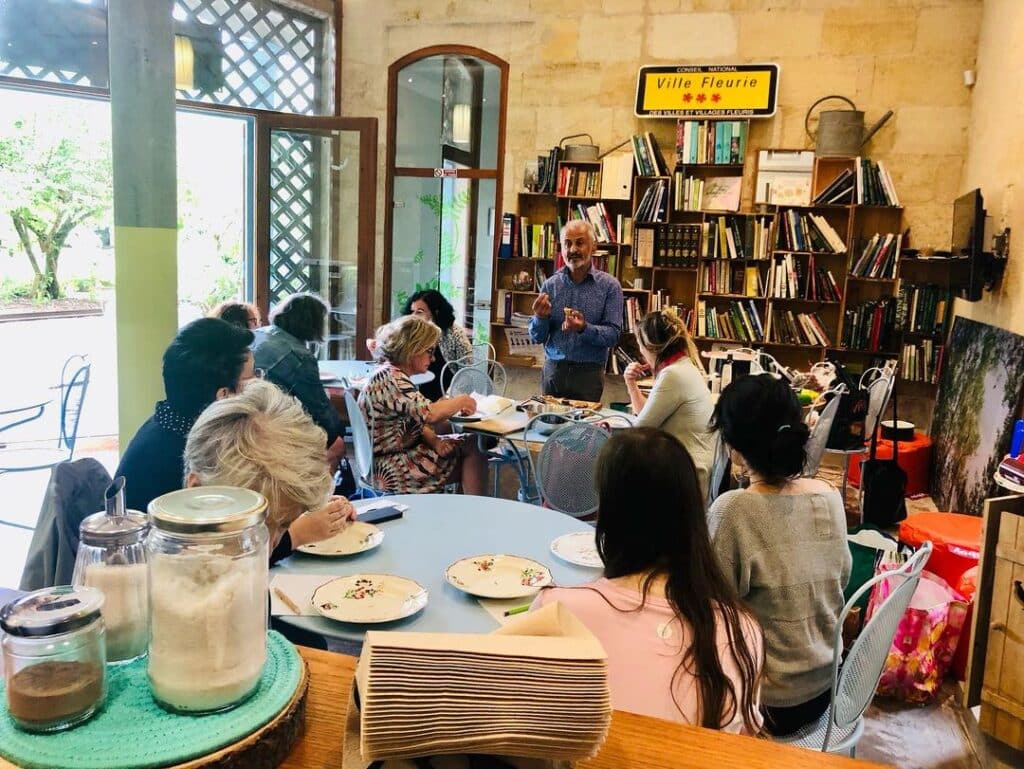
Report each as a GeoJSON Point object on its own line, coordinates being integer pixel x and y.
{"type": "Point", "coordinates": [184, 63]}
{"type": "Point", "coordinates": [462, 120]}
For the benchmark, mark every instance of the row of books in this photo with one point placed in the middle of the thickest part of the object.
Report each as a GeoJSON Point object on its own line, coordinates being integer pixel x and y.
{"type": "Point", "coordinates": [738, 321]}
{"type": "Point", "coordinates": [601, 260]}
{"type": "Point", "coordinates": [578, 182]}
{"type": "Point", "coordinates": [736, 237]}
{"type": "Point", "coordinates": [822, 286]}
{"type": "Point", "coordinates": [529, 240]}
{"type": "Point", "coordinates": [667, 245]}
{"type": "Point", "coordinates": [715, 193]}
{"type": "Point", "coordinates": [647, 155]}
{"type": "Point", "coordinates": [606, 229]}
{"type": "Point", "coordinates": [879, 257]}
{"type": "Point", "coordinates": [547, 171]}
{"type": "Point", "coordinates": [724, 276]}
{"type": "Point", "coordinates": [807, 232]}
{"type": "Point", "coordinates": [806, 328]}
{"type": "Point", "coordinates": [653, 205]}
{"type": "Point", "coordinates": [508, 316]}
{"type": "Point", "coordinates": [923, 309]}
{"type": "Point", "coordinates": [710, 141]}
{"type": "Point", "coordinates": [633, 312]}
{"type": "Point", "coordinates": [922, 362]}
{"type": "Point", "coordinates": [870, 326]}
{"type": "Point", "coordinates": [867, 183]}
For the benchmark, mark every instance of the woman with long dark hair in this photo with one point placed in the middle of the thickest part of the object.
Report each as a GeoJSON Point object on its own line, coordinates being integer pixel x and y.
{"type": "Point", "coordinates": [431, 305]}
{"type": "Point", "coordinates": [782, 544]}
{"type": "Point", "coordinates": [680, 645]}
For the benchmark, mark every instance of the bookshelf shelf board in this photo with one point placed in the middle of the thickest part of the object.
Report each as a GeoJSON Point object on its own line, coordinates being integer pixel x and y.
{"type": "Point", "coordinates": [635, 291]}
{"type": "Point", "coordinates": [802, 300]}
{"type": "Point", "coordinates": [671, 269]}
{"type": "Point", "coordinates": [521, 259]}
{"type": "Point", "coordinates": [580, 197]}
{"type": "Point", "coordinates": [924, 334]}
{"type": "Point", "coordinates": [652, 178]}
{"type": "Point", "coordinates": [875, 353]}
{"type": "Point", "coordinates": [581, 163]}
{"type": "Point", "coordinates": [794, 345]}
{"type": "Point", "coordinates": [813, 207]}
{"type": "Point", "coordinates": [539, 194]}
{"type": "Point", "coordinates": [720, 259]}
{"type": "Point", "coordinates": [713, 295]}
{"type": "Point", "coordinates": [870, 280]}
{"type": "Point", "coordinates": [726, 339]}
{"type": "Point", "coordinates": [711, 166]}
{"type": "Point", "coordinates": [945, 261]}
{"type": "Point", "coordinates": [808, 253]}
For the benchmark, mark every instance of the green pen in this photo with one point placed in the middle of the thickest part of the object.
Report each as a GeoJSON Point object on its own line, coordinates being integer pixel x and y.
{"type": "Point", "coordinates": [517, 610]}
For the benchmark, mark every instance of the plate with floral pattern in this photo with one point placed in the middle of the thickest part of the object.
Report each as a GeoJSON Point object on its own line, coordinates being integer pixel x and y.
{"type": "Point", "coordinates": [578, 548]}
{"type": "Point", "coordinates": [498, 576]}
{"type": "Point", "coordinates": [357, 537]}
{"type": "Point", "coordinates": [369, 598]}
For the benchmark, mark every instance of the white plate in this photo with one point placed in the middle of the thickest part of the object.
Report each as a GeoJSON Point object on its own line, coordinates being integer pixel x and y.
{"type": "Point", "coordinates": [498, 576]}
{"type": "Point", "coordinates": [578, 548]}
{"type": "Point", "coordinates": [326, 376]}
{"type": "Point", "coordinates": [468, 418]}
{"type": "Point", "coordinates": [358, 537]}
{"type": "Point", "coordinates": [369, 598]}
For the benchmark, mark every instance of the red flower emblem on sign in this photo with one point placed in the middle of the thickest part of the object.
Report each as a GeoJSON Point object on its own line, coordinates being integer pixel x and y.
{"type": "Point", "coordinates": [701, 97]}
{"type": "Point", "coordinates": [687, 97]}
{"type": "Point", "coordinates": [716, 97]}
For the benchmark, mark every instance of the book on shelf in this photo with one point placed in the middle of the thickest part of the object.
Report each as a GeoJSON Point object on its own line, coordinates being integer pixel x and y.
{"type": "Point", "coordinates": [676, 245]}
{"type": "Point", "coordinates": [923, 309]}
{"type": "Point", "coordinates": [539, 276]}
{"type": "Point", "coordinates": [647, 155]}
{"type": "Point", "coordinates": [520, 319]}
{"type": "Point", "coordinates": [721, 193]}
{"type": "Point", "coordinates": [600, 220]}
{"type": "Point", "coordinates": [547, 170]}
{"type": "Point", "coordinates": [879, 257]}
{"type": "Point", "coordinates": [624, 229]}
{"type": "Point", "coordinates": [688, 192]}
{"type": "Point", "coordinates": [578, 182]}
{"type": "Point", "coordinates": [840, 191]}
{"type": "Point", "coordinates": [922, 361]}
{"type": "Point", "coordinates": [788, 327]}
{"type": "Point", "coordinates": [748, 239]}
{"type": "Point", "coordinates": [633, 310]}
{"type": "Point", "coordinates": [737, 320]}
{"type": "Point", "coordinates": [604, 261]}
{"type": "Point", "coordinates": [710, 142]}
{"type": "Point", "coordinates": [508, 224]}
{"type": "Point", "coordinates": [653, 204]}
{"type": "Point", "coordinates": [870, 326]}
{"type": "Point", "coordinates": [784, 177]}
{"type": "Point", "coordinates": [530, 240]}
{"type": "Point", "coordinates": [643, 248]}
{"type": "Point", "coordinates": [723, 276]}
{"type": "Point", "coordinates": [874, 185]}
{"type": "Point", "coordinates": [505, 303]}
{"type": "Point", "coordinates": [617, 176]}
{"type": "Point", "coordinates": [807, 232]}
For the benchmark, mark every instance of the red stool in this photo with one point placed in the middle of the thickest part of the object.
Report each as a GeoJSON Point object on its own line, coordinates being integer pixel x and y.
{"type": "Point", "coordinates": [915, 458]}
{"type": "Point", "coordinates": [957, 548]}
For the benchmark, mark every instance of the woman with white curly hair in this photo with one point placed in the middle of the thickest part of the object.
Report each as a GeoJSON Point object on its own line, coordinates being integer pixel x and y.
{"type": "Point", "coordinates": [262, 439]}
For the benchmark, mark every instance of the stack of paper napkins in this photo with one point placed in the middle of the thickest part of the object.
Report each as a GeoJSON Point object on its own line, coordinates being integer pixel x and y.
{"type": "Point", "coordinates": [536, 687]}
{"type": "Point", "coordinates": [491, 405]}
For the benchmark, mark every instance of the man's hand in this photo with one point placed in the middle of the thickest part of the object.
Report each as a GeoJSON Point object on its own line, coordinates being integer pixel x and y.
{"type": "Point", "coordinates": [542, 306]}
{"type": "Point", "coordinates": [574, 321]}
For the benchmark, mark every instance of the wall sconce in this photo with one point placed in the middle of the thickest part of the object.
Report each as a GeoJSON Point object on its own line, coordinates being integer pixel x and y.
{"type": "Point", "coordinates": [462, 119]}
{"type": "Point", "coordinates": [184, 63]}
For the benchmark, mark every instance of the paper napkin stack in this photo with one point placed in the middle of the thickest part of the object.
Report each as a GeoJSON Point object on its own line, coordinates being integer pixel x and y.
{"type": "Point", "coordinates": [536, 687]}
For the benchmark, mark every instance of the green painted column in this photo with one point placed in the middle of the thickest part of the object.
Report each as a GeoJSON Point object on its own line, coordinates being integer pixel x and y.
{"type": "Point", "coordinates": [141, 40]}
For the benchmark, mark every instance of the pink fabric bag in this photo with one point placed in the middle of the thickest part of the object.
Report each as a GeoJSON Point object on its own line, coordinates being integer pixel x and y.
{"type": "Point", "coordinates": [926, 639]}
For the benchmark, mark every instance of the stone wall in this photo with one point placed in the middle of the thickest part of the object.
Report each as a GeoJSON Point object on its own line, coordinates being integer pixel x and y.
{"type": "Point", "coordinates": [570, 73]}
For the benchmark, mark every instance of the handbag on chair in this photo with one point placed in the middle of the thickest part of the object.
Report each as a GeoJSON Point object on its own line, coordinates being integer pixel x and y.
{"type": "Point", "coordinates": [883, 484]}
{"type": "Point", "coordinates": [847, 430]}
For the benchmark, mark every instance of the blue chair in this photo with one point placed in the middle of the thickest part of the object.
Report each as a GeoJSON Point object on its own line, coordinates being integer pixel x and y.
{"type": "Point", "coordinates": [74, 382]}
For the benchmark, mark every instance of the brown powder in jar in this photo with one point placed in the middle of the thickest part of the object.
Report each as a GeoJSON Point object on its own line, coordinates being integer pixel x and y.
{"type": "Point", "coordinates": [52, 691]}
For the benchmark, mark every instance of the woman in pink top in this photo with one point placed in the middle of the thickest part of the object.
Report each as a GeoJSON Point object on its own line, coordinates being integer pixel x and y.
{"type": "Point", "coordinates": [680, 645]}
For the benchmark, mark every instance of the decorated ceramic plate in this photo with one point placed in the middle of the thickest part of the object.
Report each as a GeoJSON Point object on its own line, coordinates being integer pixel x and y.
{"type": "Point", "coordinates": [467, 418]}
{"type": "Point", "coordinates": [369, 598]}
{"type": "Point", "coordinates": [358, 537]}
{"type": "Point", "coordinates": [498, 576]}
{"type": "Point", "coordinates": [578, 548]}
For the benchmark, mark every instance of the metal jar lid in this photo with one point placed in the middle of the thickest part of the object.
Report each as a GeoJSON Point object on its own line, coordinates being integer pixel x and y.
{"type": "Point", "coordinates": [51, 611]}
{"type": "Point", "coordinates": [103, 530]}
{"type": "Point", "coordinates": [208, 510]}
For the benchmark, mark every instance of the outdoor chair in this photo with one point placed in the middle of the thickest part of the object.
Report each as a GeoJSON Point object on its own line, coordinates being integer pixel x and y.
{"type": "Point", "coordinates": [362, 449]}
{"type": "Point", "coordinates": [819, 433]}
{"type": "Point", "coordinates": [74, 382]}
{"type": "Point", "coordinates": [564, 468]}
{"type": "Point", "coordinates": [854, 680]}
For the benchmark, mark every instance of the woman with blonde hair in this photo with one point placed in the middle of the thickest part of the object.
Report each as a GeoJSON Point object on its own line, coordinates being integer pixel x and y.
{"type": "Point", "coordinates": [409, 457]}
{"type": "Point", "coordinates": [679, 403]}
{"type": "Point", "coordinates": [262, 439]}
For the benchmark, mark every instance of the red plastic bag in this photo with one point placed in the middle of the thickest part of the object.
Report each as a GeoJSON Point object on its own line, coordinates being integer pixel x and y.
{"type": "Point", "coordinates": [926, 639]}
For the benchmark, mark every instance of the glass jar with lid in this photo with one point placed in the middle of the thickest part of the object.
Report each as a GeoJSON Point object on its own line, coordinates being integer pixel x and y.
{"type": "Point", "coordinates": [54, 657]}
{"type": "Point", "coordinates": [208, 571]}
{"type": "Point", "coordinates": [112, 558]}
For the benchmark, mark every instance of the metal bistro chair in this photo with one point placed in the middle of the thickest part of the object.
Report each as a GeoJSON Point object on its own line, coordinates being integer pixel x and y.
{"type": "Point", "coordinates": [854, 680]}
{"type": "Point", "coordinates": [819, 433]}
{"type": "Point", "coordinates": [718, 469]}
{"type": "Point", "coordinates": [483, 380]}
{"type": "Point", "coordinates": [879, 383]}
{"type": "Point", "coordinates": [564, 468]}
{"type": "Point", "coordinates": [74, 382]}
{"type": "Point", "coordinates": [362, 449]}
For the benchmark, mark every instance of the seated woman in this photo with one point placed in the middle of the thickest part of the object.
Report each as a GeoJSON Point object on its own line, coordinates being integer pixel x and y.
{"type": "Point", "coordinates": [241, 314]}
{"type": "Point", "coordinates": [680, 402]}
{"type": "Point", "coordinates": [680, 645]}
{"type": "Point", "coordinates": [454, 344]}
{"type": "Point", "coordinates": [782, 544]}
{"type": "Point", "coordinates": [262, 439]}
{"type": "Point", "coordinates": [409, 457]}
{"type": "Point", "coordinates": [281, 351]}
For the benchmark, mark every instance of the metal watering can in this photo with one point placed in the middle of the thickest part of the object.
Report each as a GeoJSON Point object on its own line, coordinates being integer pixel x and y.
{"type": "Point", "coordinates": [840, 131]}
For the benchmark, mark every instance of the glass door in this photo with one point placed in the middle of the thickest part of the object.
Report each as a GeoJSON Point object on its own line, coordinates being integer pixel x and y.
{"type": "Point", "coordinates": [316, 220]}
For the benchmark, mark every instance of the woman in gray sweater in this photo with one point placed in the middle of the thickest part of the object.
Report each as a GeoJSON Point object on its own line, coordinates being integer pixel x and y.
{"type": "Point", "coordinates": [679, 403]}
{"type": "Point", "coordinates": [782, 542]}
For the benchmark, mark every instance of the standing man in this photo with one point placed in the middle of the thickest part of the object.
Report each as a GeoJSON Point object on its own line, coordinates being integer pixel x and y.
{"type": "Point", "coordinates": [578, 317]}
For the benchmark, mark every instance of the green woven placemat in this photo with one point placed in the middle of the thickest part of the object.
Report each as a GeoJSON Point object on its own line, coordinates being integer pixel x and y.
{"type": "Point", "coordinates": [133, 732]}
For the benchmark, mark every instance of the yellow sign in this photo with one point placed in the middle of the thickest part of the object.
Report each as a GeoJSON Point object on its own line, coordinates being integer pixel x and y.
{"type": "Point", "coordinates": [710, 91]}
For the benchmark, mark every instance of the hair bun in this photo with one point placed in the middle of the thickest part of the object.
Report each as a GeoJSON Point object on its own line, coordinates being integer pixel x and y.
{"type": "Point", "coordinates": [789, 449]}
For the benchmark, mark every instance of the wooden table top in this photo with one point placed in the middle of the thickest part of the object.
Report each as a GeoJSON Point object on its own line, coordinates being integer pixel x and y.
{"type": "Point", "coordinates": [637, 742]}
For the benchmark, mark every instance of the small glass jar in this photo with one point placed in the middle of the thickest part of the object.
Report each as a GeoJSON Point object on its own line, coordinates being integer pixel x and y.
{"type": "Point", "coordinates": [54, 657]}
{"type": "Point", "coordinates": [112, 558]}
{"type": "Point", "coordinates": [208, 572]}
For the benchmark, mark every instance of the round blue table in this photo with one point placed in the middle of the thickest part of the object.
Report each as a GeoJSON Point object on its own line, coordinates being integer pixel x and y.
{"type": "Point", "coordinates": [436, 531]}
